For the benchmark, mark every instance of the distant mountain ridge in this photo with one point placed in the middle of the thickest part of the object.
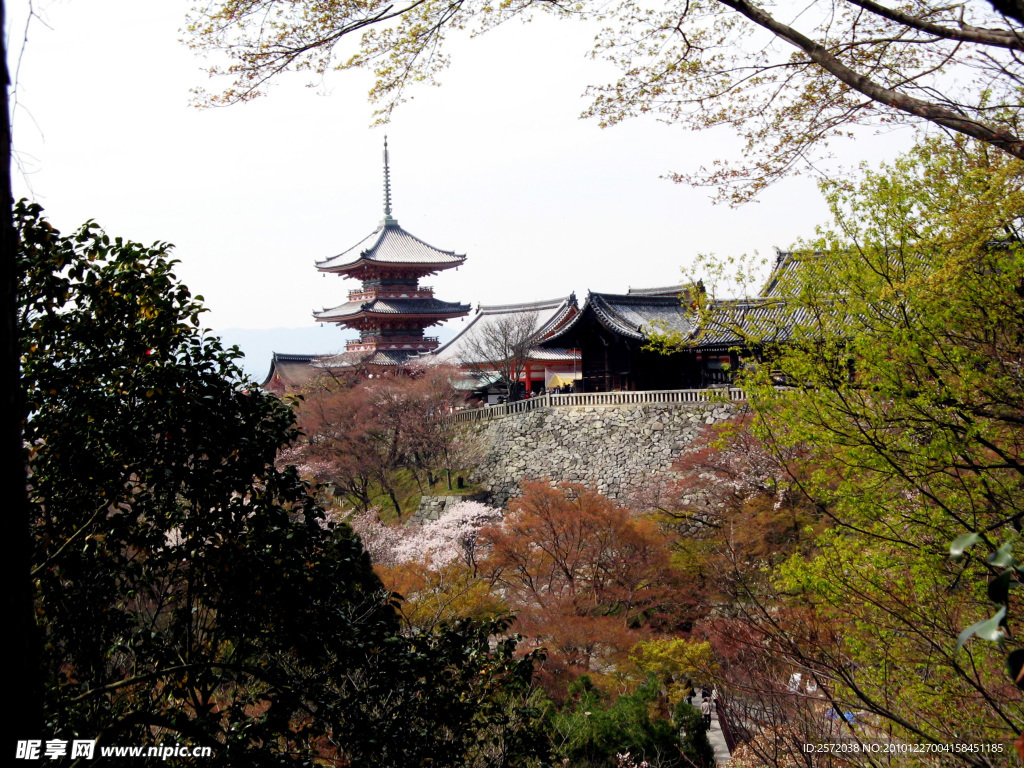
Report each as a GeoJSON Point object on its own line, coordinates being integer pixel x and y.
{"type": "Point", "coordinates": [259, 344]}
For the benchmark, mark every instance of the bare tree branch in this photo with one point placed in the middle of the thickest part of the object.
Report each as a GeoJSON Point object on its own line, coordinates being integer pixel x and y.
{"type": "Point", "coordinates": [501, 346]}
{"type": "Point", "coordinates": [934, 113]}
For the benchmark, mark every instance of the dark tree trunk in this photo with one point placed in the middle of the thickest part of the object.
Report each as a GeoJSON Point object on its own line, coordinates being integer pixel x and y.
{"type": "Point", "coordinates": [25, 682]}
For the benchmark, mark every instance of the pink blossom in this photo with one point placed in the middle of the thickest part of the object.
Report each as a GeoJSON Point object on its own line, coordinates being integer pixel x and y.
{"type": "Point", "coordinates": [379, 540]}
{"type": "Point", "coordinates": [437, 542]}
{"type": "Point", "coordinates": [450, 537]}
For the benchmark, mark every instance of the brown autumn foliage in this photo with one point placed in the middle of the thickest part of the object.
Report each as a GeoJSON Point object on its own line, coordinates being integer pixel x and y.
{"type": "Point", "coordinates": [586, 578]}
{"type": "Point", "coordinates": [440, 592]}
{"type": "Point", "coordinates": [735, 505]}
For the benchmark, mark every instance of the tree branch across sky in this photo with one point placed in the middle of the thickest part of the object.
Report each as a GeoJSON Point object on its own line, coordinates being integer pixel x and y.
{"type": "Point", "coordinates": [787, 78]}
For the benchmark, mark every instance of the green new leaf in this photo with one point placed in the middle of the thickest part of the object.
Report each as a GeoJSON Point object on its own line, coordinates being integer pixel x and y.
{"type": "Point", "coordinates": [987, 629]}
{"type": "Point", "coordinates": [962, 543]}
{"type": "Point", "coordinates": [1003, 557]}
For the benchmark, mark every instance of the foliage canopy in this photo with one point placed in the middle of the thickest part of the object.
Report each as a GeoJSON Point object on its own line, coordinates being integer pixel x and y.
{"type": "Point", "coordinates": [902, 347]}
{"type": "Point", "coordinates": [787, 78]}
{"type": "Point", "coordinates": [591, 730]}
{"type": "Point", "coordinates": [360, 435]}
{"type": "Point", "coordinates": [188, 589]}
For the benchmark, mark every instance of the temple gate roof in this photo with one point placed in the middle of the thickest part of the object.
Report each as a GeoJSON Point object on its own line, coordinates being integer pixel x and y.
{"type": "Point", "coordinates": [634, 316]}
{"type": "Point", "coordinates": [551, 315]}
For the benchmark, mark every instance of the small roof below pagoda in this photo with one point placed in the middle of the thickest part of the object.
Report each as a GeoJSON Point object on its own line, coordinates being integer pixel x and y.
{"type": "Point", "coordinates": [289, 371]}
{"type": "Point", "coordinates": [390, 245]}
{"type": "Point", "coordinates": [384, 357]}
{"type": "Point", "coordinates": [352, 310]}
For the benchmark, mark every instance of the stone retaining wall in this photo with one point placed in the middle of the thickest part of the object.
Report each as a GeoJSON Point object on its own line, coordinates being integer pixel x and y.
{"type": "Point", "coordinates": [615, 449]}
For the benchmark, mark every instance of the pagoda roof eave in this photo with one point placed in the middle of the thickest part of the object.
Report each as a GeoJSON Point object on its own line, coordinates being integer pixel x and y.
{"type": "Point", "coordinates": [433, 318]}
{"type": "Point", "coordinates": [418, 309]}
{"type": "Point", "coordinates": [364, 264]}
{"type": "Point", "coordinates": [390, 246]}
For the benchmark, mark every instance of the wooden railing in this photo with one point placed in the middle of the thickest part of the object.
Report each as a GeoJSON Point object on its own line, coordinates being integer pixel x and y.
{"type": "Point", "coordinates": [664, 396]}
{"type": "Point", "coordinates": [723, 722]}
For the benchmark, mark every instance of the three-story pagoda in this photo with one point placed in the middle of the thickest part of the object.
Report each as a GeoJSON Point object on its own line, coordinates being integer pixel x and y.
{"type": "Point", "coordinates": [391, 310]}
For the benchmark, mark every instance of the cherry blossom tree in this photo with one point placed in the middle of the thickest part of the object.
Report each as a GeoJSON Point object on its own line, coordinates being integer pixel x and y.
{"type": "Point", "coordinates": [434, 565]}
{"type": "Point", "coordinates": [361, 433]}
{"type": "Point", "coordinates": [454, 536]}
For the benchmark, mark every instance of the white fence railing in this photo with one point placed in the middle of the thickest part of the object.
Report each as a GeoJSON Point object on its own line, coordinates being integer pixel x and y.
{"type": "Point", "coordinates": [671, 396]}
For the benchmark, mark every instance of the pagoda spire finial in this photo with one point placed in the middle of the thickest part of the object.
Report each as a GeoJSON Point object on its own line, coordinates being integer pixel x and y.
{"type": "Point", "coordinates": [387, 185]}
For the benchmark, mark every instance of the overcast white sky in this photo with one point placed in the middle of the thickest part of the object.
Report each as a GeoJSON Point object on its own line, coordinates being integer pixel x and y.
{"type": "Point", "coordinates": [495, 164]}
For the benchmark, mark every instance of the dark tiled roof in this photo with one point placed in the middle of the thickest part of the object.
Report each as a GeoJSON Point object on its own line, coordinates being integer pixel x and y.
{"type": "Point", "coordinates": [289, 371]}
{"type": "Point", "coordinates": [638, 316]}
{"type": "Point", "coordinates": [635, 316]}
{"type": "Point", "coordinates": [286, 358]}
{"type": "Point", "coordinates": [766, 319]}
{"type": "Point", "coordinates": [732, 323]}
{"type": "Point", "coordinates": [761, 322]}
{"type": "Point", "coordinates": [556, 355]}
{"type": "Point", "coordinates": [390, 244]}
{"type": "Point", "coordinates": [415, 307]}
{"type": "Point", "coordinates": [528, 306]}
{"type": "Point", "coordinates": [791, 269]}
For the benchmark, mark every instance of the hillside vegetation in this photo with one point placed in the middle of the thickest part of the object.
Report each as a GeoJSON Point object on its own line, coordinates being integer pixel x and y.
{"type": "Point", "coordinates": [840, 564]}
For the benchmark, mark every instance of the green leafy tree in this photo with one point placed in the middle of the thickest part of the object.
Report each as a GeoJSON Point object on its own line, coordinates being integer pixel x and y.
{"type": "Point", "coordinates": [900, 333]}
{"type": "Point", "coordinates": [591, 730]}
{"type": "Point", "coordinates": [788, 78]}
{"type": "Point", "coordinates": [679, 664]}
{"type": "Point", "coordinates": [693, 735]}
{"type": "Point", "coordinates": [188, 589]}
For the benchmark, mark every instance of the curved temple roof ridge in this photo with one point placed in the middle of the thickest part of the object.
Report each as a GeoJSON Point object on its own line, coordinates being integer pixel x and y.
{"type": "Point", "coordinates": [390, 244]}
{"type": "Point", "coordinates": [526, 306]}
{"type": "Point", "coordinates": [632, 315]}
{"type": "Point", "coordinates": [668, 290]}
